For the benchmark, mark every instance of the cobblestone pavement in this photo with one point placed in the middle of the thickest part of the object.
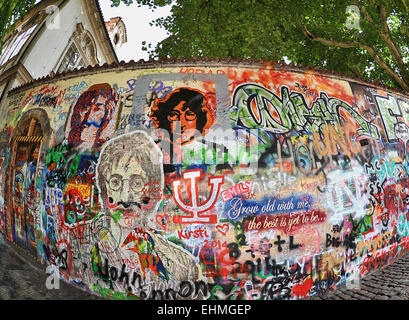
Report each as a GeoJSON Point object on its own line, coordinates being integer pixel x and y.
{"type": "Point", "coordinates": [23, 278]}
{"type": "Point", "coordinates": [388, 283]}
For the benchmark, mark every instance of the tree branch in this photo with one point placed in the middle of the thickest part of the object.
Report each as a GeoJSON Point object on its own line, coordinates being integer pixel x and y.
{"type": "Point", "coordinates": [366, 14]}
{"type": "Point", "coordinates": [351, 44]}
{"type": "Point", "coordinates": [406, 5]}
{"type": "Point", "coordinates": [355, 70]}
{"type": "Point", "coordinates": [386, 35]}
{"type": "Point", "coordinates": [369, 49]}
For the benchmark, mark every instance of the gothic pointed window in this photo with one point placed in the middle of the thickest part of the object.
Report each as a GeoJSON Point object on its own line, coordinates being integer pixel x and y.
{"type": "Point", "coordinates": [71, 60]}
{"type": "Point", "coordinates": [81, 51]}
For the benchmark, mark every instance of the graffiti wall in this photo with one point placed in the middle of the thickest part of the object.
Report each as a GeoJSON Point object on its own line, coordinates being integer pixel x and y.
{"type": "Point", "coordinates": [243, 182]}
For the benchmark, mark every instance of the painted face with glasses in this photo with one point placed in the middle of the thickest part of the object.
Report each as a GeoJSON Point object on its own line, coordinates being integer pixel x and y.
{"type": "Point", "coordinates": [127, 166]}
{"type": "Point", "coordinates": [187, 120]}
{"type": "Point", "coordinates": [124, 188]}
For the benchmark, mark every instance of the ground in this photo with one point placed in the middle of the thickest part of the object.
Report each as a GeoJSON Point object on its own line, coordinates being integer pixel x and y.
{"type": "Point", "coordinates": [23, 278]}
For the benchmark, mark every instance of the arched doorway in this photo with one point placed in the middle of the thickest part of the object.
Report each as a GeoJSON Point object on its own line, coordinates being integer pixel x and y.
{"type": "Point", "coordinates": [27, 145]}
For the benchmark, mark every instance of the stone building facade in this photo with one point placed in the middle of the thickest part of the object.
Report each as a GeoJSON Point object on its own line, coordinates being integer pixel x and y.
{"type": "Point", "coordinates": [57, 36]}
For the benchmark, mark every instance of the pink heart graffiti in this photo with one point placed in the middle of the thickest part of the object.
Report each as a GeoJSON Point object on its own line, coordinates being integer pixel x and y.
{"type": "Point", "coordinates": [223, 228]}
{"type": "Point", "coordinates": [163, 220]}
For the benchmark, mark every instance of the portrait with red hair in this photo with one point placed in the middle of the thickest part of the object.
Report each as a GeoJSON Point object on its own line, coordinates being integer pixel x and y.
{"type": "Point", "coordinates": [93, 118]}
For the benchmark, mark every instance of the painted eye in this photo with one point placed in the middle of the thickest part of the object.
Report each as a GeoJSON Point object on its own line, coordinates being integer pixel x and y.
{"type": "Point", "coordinates": [136, 183]}
{"type": "Point", "coordinates": [115, 183]}
{"type": "Point", "coordinates": [174, 116]}
{"type": "Point", "coordinates": [98, 107]}
{"type": "Point", "coordinates": [190, 115]}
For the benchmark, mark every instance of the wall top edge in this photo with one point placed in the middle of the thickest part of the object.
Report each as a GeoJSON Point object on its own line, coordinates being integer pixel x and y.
{"type": "Point", "coordinates": [198, 62]}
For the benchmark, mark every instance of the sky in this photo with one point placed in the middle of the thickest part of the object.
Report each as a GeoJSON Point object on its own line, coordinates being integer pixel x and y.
{"type": "Point", "coordinates": [137, 27]}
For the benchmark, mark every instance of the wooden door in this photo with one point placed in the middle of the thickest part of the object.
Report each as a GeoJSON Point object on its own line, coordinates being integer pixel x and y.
{"type": "Point", "coordinates": [23, 186]}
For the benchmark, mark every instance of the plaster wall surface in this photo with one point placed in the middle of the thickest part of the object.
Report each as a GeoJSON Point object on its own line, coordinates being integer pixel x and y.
{"type": "Point", "coordinates": [206, 181]}
{"type": "Point", "coordinates": [53, 42]}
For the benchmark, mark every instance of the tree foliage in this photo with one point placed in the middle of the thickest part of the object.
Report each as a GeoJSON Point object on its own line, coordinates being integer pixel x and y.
{"type": "Point", "coordinates": [366, 38]}
{"type": "Point", "coordinates": [10, 12]}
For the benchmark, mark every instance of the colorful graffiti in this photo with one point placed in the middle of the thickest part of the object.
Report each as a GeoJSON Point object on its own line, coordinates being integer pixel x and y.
{"type": "Point", "coordinates": [245, 183]}
{"type": "Point", "coordinates": [93, 117]}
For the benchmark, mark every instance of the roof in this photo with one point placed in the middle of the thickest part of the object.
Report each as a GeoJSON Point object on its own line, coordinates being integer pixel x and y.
{"type": "Point", "coordinates": [199, 62]}
{"type": "Point", "coordinates": [101, 16]}
{"type": "Point", "coordinates": [113, 22]}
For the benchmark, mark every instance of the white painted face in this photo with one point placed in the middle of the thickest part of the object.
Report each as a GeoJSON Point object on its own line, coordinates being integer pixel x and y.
{"type": "Point", "coordinates": [125, 197]}
{"type": "Point", "coordinates": [130, 179]}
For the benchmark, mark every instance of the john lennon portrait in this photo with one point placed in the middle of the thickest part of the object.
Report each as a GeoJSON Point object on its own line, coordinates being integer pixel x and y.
{"type": "Point", "coordinates": [93, 118]}
{"type": "Point", "coordinates": [186, 106]}
{"type": "Point", "coordinates": [126, 165]}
